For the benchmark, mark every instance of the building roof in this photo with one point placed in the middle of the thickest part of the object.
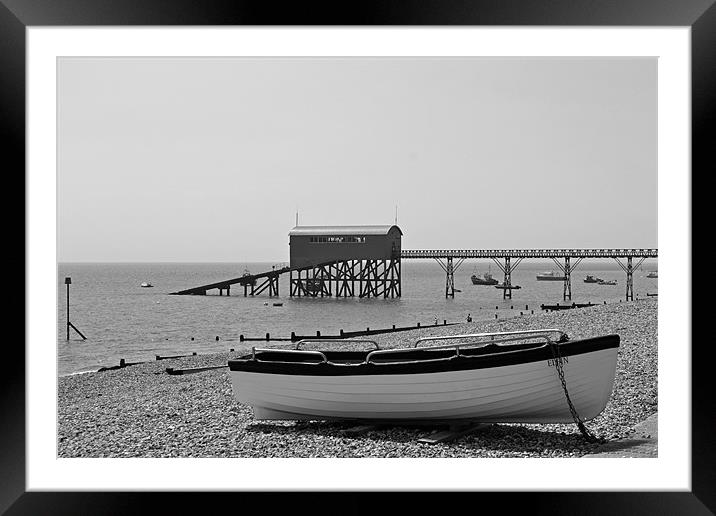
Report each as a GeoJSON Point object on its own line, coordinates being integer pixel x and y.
{"type": "Point", "coordinates": [342, 230]}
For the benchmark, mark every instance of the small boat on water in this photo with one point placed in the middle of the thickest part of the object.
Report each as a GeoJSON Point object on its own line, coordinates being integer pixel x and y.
{"type": "Point", "coordinates": [146, 285]}
{"type": "Point", "coordinates": [508, 287]}
{"type": "Point", "coordinates": [550, 276]}
{"type": "Point", "coordinates": [485, 377]}
{"type": "Point", "coordinates": [652, 274]}
{"type": "Point", "coordinates": [607, 282]}
{"type": "Point", "coordinates": [486, 279]}
{"type": "Point", "coordinates": [592, 279]}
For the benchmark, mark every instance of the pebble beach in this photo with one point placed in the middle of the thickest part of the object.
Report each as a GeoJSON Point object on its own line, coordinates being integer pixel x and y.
{"type": "Point", "coordinates": [141, 411]}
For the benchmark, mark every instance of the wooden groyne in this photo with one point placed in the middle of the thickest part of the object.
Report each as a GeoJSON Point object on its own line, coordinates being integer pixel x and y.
{"type": "Point", "coordinates": [293, 338]}
{"type": "Point", "coordinates": [342, 334]}
{"type": "Point", "coordinates": [122, 364]}
{"type": "Point", "coordinates": [550, 308]}
{"type": "Point", "coordinates": [192, 370]}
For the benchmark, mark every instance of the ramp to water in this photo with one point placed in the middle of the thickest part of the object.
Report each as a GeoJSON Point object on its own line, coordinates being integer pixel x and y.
{"type": "Point", "coordinates": [256, 282]}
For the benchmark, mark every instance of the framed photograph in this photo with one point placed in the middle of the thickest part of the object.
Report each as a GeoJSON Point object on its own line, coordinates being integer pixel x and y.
{"type": "Point", "coordinates": [532, 144]}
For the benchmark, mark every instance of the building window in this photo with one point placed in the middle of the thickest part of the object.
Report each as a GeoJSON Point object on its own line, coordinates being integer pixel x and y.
{"type": "Point", "coordinates": [337, 239]}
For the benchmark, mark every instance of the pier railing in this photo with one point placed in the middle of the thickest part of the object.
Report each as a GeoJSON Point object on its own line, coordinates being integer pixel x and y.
{"type": "Point", "coordinates": [529, 253]}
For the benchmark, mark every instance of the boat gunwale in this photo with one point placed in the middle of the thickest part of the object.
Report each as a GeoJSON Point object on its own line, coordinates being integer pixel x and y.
{"type": "Point", "coordinates": [527, 353]}
{"type": "Point", "coordinates": [503, 337]}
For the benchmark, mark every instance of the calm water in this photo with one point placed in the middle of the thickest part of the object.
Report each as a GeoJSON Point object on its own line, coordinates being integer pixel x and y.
{"type": "Point", "coordinates": [122, 320]}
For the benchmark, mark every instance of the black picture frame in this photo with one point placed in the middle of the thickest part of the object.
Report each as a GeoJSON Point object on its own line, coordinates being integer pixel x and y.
{"type": "Point", "coordinates": [17, 15]}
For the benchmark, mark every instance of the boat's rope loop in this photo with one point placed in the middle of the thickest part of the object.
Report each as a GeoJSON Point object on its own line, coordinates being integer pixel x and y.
{"type": "Point", "coordinates": [589, 436]}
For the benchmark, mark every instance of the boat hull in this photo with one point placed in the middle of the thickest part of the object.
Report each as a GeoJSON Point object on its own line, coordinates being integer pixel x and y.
{"type": "Point", "coordinates": [476, 280]}
{"type": "Point", "coordinates": [550, 278]}
{"type": "Point", "coordinates": [520, 393]}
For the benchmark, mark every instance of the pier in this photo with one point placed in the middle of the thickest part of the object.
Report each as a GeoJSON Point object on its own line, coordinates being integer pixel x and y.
{"type": "Point", "coordinates": [365, 261]}
{"type": "Point", "coordinates": [561, 257]}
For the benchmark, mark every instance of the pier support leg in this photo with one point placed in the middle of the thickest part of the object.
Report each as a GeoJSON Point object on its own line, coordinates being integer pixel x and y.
{"type": "Point", "coordinates": [567, 279]}
{"type": "Point", "coordinates": [567, 270]}
{"type": "Point", "coordinates": [399, 284]}
{"type": "Point", "coordinates": [629, 269]}
{"type": "Point", "coordinates": [449, 267]}
{"type": "Point", "coordinates": [449, 279]}
{"type": "Point", "coordinates": [507, 292]}
{"type": "Point", "coordinates": [507, 269]}
{"type": "Point", "coordinates": [362, 278]}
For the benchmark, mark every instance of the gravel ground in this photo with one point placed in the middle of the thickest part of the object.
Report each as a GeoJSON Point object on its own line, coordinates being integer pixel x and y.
{"type": "Point", "coordinates": [141, 411]}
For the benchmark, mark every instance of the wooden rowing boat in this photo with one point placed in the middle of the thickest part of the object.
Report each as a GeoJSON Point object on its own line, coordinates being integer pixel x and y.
{"type": "Point", "coordinates": [486, 377]}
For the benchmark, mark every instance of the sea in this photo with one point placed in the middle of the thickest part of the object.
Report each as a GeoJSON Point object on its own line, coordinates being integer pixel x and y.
{"type": "Point", "coordinates": [121, 319]}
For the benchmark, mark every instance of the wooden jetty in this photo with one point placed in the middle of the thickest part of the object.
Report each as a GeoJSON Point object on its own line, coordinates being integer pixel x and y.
{"type": "Point", "coordinates": [253, 283]}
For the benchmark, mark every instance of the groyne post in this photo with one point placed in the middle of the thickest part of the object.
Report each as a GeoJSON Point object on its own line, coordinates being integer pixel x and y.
{"type": "Point", "coordinates": [68, 282]}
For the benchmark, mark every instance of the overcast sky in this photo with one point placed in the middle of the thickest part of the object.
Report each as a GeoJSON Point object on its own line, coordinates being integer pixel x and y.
{"type": "Point", "coordinates": [209, 159]}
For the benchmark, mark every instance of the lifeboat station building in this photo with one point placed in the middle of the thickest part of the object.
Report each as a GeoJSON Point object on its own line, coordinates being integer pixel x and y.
{"type": "Point", "coordinates": [345, 261]}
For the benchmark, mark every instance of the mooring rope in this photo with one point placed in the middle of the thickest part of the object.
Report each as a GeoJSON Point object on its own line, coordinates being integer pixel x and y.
{"type": "Point", "coordinates": [588, 435]}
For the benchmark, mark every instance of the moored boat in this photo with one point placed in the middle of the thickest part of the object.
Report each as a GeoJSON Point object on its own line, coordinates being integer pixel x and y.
{"type": "Point", "coordinates": [508, 287]}
{"type": "Point", "coordinates": [607, 282]}
{"type": "Point", "coordinates": [486, 377]}
{"type": "Point", "coordinates": [592, 279]}
{"type": "Point", "coordinates": [486, 279]}
{"type": "Point", "coordinates": [550, 276]}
